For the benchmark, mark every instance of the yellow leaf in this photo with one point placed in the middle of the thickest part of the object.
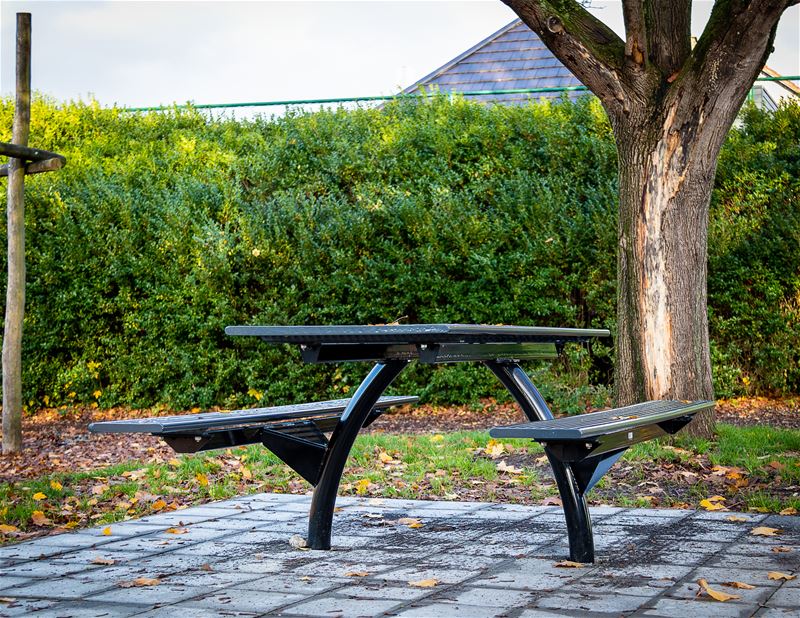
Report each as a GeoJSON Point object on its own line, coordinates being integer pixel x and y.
{"type": "Point", "coordinates": [737, 518]}
{"type": "Point", "coordinates": [107, 531]}
{"type": "Point", "coordinates": [356, 574]}
{"type": "Point", "coordinates": [789, 511]}
{"type": "Point", "coordinates": [202, 479]}
{"type": "Point", "coordinates": [159, 505]}
{"type": "Point", "coordinates": [759, 509]}
{"type": "Point", "coordinates": [717, 595]}
{"type": "Point", "coordinates": [174, 462]}
{"type": "Point", "coordinates": [781, 549]}
{"type": "Point", "coordinates": [569, 564]}
{"type": "Point", "coordinates": [764, 531]}
{"type": "Point", "coordinates": [71, 524]}
{"type": "Point", "coordinates": [494, 449]}
{"type": "Point", "coordinates": [5, 529]}
{"type": "Point", "coordinates": [740, 585]}
{"type": "Point", "coordinates": [39, 519]}
{"type": "Point", "coordinates": [418, 524]}
{"type": "Point", "coordinates": [424, 583]}
{"type": "Point", "coordinates": [437, 438]}
{"type": "Point", "coordinates": [362, 486]}
{"type": "Point", "coordinates": [411, 522]}
{"type": "Point", "coordinates": [39, 496]}
{"type": "Point", "coordinates": [177, 531]}
{"type": "Point", "coordinates": [779, 575]}
{"type": "Point", "coordinates": [385, 457]}
{"type": "Point", "coordinates": [711, 506]}
{"type": "Point", "coordinates": [717, 499]}
{"type": "Point", "coordinates": [56, 485]}
{"type": "Point", "coordinates": [97, 394]}
{"type": "Point", "coordinates": [246, 473]}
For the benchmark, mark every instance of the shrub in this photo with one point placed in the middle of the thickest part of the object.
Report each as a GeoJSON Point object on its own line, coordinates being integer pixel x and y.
{"type": "Point", "coordinates": [166, 227]}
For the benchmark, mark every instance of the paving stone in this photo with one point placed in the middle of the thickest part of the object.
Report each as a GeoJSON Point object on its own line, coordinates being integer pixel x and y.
{"type": "Point", "coordinates": [451, 609]}
{"type": "Point", "coordinates": [166, 593]}
{"type": "Point", "coordinates": [11, 581]}
{"type": "Point", "coordinates": [786, 597]}
{"type": "Point", "coordinates": [187, 611]}
{"type": "Point", "coordinates": [341, 569]}
{"type": "Point", "coordinates": [382, 590]}
{"type": "Point", "coordinates": [291, 583]}
{"type": "Point", "coordinates": [23, 607]}
{"type": "Point", "coordinates": [61, 588]}
{"type": "Point", "coordinates": [691, 591]}
{"type": "Point", "coordinates": [235, 599]}
{"type": "Point", "coordinates": [416, 574]}
{"type": "Point", "coordinates": [341, 606]}
{"type": "Point", "coordinates": [31, 551]}
{"type": "Point", "coordinates": [250, 565]}
{"type": "Point", "coordinates": [122, 530]}
{"type": "Point", "coordinates": [669, 608]}
{"type": "Point", "coordinates": [597, 603]}
{"type": "Point", "coordinates": [89, 609]}
{"type": "Point", "coordinates": [491, 597]}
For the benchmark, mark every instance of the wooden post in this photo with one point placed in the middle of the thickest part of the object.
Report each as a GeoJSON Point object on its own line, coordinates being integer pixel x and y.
{"type": "Point", "coordinates": [15, 292]}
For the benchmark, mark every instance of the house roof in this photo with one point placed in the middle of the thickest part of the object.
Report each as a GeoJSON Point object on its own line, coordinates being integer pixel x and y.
{"type": "Point", "coordinates": [514, 57]}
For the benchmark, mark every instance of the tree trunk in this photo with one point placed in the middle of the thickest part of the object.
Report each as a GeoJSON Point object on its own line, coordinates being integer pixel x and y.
{"type": "Point", "coordinates": [15, 291]}
{"type": "Point", "coordinates": [666, 172]}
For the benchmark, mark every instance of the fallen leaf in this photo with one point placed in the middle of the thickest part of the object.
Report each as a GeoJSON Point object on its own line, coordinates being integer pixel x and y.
{"type": "Point", "coordinates": [424, 583]}
{"type": "Point", "coordinates": [6, 529]}
{"type": "Point", "coordinates": [177, 530]}
{"type": "Point", "coordinates": [737, 518]}
{"type": "Point", "coordinates": [202, 479]}
{"type": "Point", "coordinates": [708, 505]}
{"type": "Point", "coordinates": [7, 600]}
{"type": "Point", "coordinates": [246, 473]}
{"type": "Point", "coordinates": [298, 542]}
{"type": "Point", "coordinates": [411, 522]}
{"type": "Point", "coordinates": [504, 467]}
{"type": "Point", "coordinates": [781, 549]}
{"type": "Point", "coordinates": [569, 564]}
{"type": "Point", "coordinates": [779, 575]}
{"type": "Point", "coordinates": [40, 519]}
{"type": "Point", "coordinates": [174, 462]}
{"type": "Point", "coordinates": [717, 595]}
{"type": "Point", "coordinates": [71, 524]}
{"type": "Point", "coordinates": [788, 511]}
{"type": "Point", "coordinates": [740, 585]}
{"type": "Point", "coordinates": [764, 531]}
{"type": "Point", "coordinates": [56, 485]}
{"type": "Point", "coordinates": [206, 567]}
{"type": "Point", "coordinates": [494, 449]}
{"type": "Point", "coordinates": [362, 486]}
{"type": "Point", "coordinates": [98, 490]}
{"type": "Point", "coordinates": [159, 505]}
{"type": "Point", "coordinates": [552, 501]}
{"type": "Point", "coordinates": [105, 561]}
{"type": "Point", "coordinates": [356, 574]}
{"type": "Point", "coordinates": [140, 581]}
{"type": "Point", "coordinates": [39, 496]}
{"type": "Point", "coordinates": [107, 531]}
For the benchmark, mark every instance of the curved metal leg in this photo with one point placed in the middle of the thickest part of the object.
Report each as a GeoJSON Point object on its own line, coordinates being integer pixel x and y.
{"type": "Point", "coordinates": [352, 420]}
{"type": "Point", "coordinates": [576, 511]}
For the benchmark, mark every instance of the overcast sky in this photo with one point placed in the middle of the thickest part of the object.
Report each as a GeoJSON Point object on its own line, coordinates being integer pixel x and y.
{"type": "Point", "coordinates": [153, 52]}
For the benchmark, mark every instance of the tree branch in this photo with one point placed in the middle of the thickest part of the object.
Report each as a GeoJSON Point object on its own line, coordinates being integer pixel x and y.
{"type": "Point", "coordinates": [584, 44]}
{"type": "Point", "coordinates": [635, 33]}
{"type": "Point", "coordinates": [668, 34]}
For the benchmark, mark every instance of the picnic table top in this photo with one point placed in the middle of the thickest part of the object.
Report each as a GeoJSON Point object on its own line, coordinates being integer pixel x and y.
{"type": "Point", "coordinates": [393, 334]}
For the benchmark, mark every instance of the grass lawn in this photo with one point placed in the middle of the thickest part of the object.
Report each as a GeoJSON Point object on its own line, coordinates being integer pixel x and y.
{"type": "Point", "coordinates": [745, 468]}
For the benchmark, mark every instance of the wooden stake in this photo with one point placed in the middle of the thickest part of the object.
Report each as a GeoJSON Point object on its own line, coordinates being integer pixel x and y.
{"type": "Point", "coordinates": [15, 292]}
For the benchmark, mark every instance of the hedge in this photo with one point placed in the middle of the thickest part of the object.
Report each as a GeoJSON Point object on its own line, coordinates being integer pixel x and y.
{"type": "Point", "coordinates": [166, 227]}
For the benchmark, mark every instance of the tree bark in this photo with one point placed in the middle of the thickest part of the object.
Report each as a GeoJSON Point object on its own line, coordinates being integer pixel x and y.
{"type": "Point", "coordinates": [15, 291]}
{"type": "Point", "coordinates": [671, 108]}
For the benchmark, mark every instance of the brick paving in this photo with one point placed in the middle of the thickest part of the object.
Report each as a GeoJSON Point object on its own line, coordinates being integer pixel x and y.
{"type": "Point", "coordinates": [488, 560]}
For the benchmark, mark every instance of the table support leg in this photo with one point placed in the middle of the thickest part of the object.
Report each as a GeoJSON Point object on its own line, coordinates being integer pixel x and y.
{"type": "Point", "coordinates": [352, 420]}
{"type": "Point", "coordinates": [576, 511]}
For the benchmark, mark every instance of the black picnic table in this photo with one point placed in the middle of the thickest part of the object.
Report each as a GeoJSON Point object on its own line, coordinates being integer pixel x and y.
{"type": "Point", "coordinates": [580, 449]}
{"type": "Point", "coordinates": [392, 347]}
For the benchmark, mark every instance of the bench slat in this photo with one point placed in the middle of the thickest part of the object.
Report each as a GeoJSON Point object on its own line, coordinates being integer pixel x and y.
{"type": "Point", "coordinates": [215, 420]}
{"type": "Point", "coordinates": [595, 424]}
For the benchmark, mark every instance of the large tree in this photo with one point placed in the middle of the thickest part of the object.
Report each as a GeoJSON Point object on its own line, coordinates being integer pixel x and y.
{"type": "Point", "coordinates": [670, 105]}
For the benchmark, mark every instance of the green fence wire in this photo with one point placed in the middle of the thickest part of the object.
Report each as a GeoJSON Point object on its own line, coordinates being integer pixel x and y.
{"type": "Point", "coordinates": [391, 97]}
